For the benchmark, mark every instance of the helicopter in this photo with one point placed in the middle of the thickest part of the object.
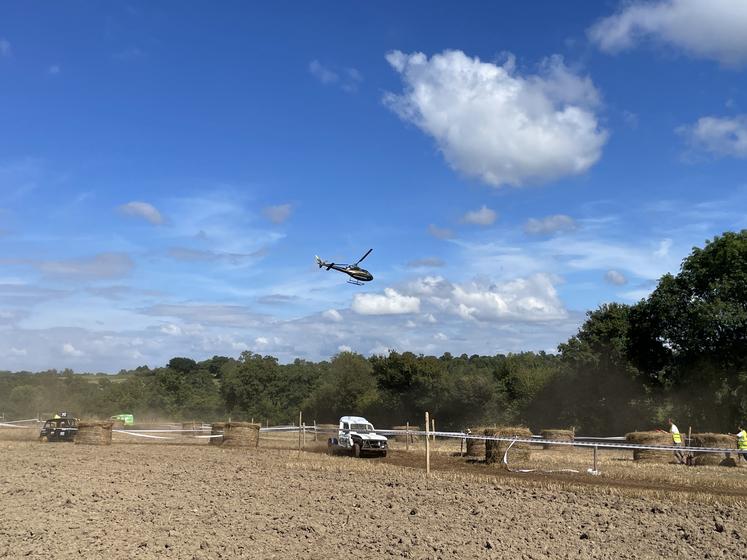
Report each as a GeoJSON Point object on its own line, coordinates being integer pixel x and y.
{"type": "Point", "coordinates": [357, 274]}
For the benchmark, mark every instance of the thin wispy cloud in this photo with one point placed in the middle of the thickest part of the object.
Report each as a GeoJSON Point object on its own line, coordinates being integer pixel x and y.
{"type": "Point", "coordinates": [440, 233]}
{"type": "Point", "coordinates": [54, 70]}
{"type": "Point", "coordinates": [5, 50]}
{"type": "Point", "coordinates": [550, 225]}
{"type": "Point", "coordinates": [348, 79]}
{"type": "Point", "coordinates": [142, 210]}
{"type": "Point", "coordinates": [428, 262]}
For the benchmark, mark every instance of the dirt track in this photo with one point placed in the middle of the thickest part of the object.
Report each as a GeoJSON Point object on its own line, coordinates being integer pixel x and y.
{"type": "Point", "coordinates": [195, 502]}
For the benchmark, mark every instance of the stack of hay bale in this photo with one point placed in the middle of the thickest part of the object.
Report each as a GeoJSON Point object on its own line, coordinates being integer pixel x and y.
{"type": "Point", "coordinates": [495, 449]}
{"type": "Point", "coordinates": [476, 446]}
{"type": "Point", "coordinates": [650, 438]}
{"type": "Point", "coordinates": [216, 429]}
{"type": "Point", "coordinates": [557, 435]}
{"type": "Point", "coordinates": [91, 432]}
{"type": "Point", "coordinates": [718, 441]}
{"type": "Point", "coordinates": [240, 434]}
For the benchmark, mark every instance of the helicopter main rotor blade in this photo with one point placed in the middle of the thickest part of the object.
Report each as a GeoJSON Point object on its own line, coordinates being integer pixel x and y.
{"type": "Point", "coordinates": [363, 257]}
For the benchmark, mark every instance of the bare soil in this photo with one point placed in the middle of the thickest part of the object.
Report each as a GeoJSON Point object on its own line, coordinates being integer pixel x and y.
{"type": "Point", "coordinates": [202, 502]}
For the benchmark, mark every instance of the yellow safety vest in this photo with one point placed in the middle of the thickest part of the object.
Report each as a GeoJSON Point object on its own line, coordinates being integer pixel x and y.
{"type": "Point", "coordinates": [676, 437]}
{"type": "Point", "coordinates": [742, 440]}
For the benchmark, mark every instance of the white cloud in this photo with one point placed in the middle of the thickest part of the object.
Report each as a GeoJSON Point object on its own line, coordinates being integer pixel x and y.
{"type": "Point", "coordinates": [18, 351]}
{"type": "Point", "coordinates": [440, 233]}
{"type": "Point", "coordinates": [482, 217]}
{"type": "Point", "coordinates": [494, 124]}
{"type": "Point", "coordinates": [277, 214]}
{"type": "Point", "coordinates": [54, 70]}
{"type": "Point", "coordinates": [390, 303]}
{"type": "Point", "coordinates": [142, 210]}
{"type": "Point", "coordinates": [440, 336]}
{"type": "Point", "coordinates": [524, 299]}
{"type": "Point", "coordinates": [615, 277]}
{"type": "Point", "coordinates": [261, 341]}
{"type": "Point", "coordinates": [70, 350]}
{"type": "Point", "coordinates": [332, 315]}
{"type": "Point", "coordinates": [719, 136]}
{"type": "Point", "coordinates": [713, 29]}
{"type": "Point", "coordinates": [5, 51]}
{"type": "Point", "coordinates": [559, 223]}
{"type": "Point", "coordinates": [344, 348]}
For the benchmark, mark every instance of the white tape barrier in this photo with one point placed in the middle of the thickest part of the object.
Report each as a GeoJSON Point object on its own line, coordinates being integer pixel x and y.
{"type": "Point", "coordinates": [140, 435]}
{"type": "Point", "coordinates": [9, 425]}
{"type": "Point", "coordinates": [505, 462]}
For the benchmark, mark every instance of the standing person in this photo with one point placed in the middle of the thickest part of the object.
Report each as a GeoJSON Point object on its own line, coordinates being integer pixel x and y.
{"type": "Point", "coordinates": [677, 440]}
{"type": "Point", "coordinates": [742, 443]}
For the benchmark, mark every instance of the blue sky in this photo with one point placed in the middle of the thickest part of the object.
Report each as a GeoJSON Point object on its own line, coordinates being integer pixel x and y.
{"type": "Point", "coordinates": [169, 170]}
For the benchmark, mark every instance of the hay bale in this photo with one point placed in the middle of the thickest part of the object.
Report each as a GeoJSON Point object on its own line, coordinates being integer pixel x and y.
{"type": "Point", "coordinates": [724, 441]}
{"type": "Point", "coordinates": [91, 432]}
{"type": "Point", "coordinates": [494, 449]}
{"type": "Point", "coordinates": [650, 438]}
{"type": "Point", "coordinates": [557, 435]}
{"type": "Point", "coordinates": [476, 447]}
{"type": "Point", "coordinates": [118, 424]}
{"type": "Point", "coordinates": [402, 438]}
{"type": "Point", "coordinates": [240, 434]}
{"type": "Point", "coordinates": [216, 428]}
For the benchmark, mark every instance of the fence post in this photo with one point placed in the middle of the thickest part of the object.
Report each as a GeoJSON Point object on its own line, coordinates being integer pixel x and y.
{"type": "Point", "coordinates": [407, 436]}
{"type": "Point", "coordinates": [433, 428]}
{"type": "Point", "coordinates": [595, 458]}
{"type": "Point", "coordinates": [300, 419]}
{"type": "Point", "coordinates": [304, 435]}
{"type": "Point", "coordinates": [427, 447]}
{"type": "Point", "coordinates": [314, 430]}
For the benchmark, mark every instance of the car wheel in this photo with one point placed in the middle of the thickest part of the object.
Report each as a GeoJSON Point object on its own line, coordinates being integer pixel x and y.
{"type": "Point", "coordinates": [356, 450]}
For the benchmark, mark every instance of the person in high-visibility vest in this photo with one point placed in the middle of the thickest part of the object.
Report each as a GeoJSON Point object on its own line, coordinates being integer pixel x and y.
{"type": "Point", "coordinates": [677, 440]}
{"type": "Point", "coordinates": [742, 443]}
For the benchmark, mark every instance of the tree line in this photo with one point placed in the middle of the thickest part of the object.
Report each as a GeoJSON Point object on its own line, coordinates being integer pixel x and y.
{"type": "Point", "coordinates": [680, 352]}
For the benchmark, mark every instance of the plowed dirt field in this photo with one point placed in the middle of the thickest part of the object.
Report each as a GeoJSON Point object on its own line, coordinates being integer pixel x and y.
{"type": "Point", "coordinates": [200, 502]}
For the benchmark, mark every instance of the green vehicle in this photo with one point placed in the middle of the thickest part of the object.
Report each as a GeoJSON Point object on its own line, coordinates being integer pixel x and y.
{"type": "Point", "coordinates": [126, 419]}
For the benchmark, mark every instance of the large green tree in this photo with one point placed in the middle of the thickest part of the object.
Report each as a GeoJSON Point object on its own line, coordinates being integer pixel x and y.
{"type": "Point", "coordinates": [689, 337]}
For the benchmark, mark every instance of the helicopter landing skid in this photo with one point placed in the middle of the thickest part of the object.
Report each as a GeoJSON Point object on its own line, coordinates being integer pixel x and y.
{"type": "Point", "coordinates": [355, 282]}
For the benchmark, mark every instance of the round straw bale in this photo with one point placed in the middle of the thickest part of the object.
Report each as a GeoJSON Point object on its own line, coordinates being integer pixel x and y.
{"type": "Point", "coordinates": [723, 441]}
{"type": "Point", "coordinates": [556, 435]}
{"type": "Point", "coordinates": [650, 438]}
{"type": "Point", "coordinates": [476, 447]}
{"type": "Point", "coordinates": [495, 449]}
{"type": "Point", "coordinates": [91, 432]}
{"type": "Point", "coordinates": [402, 438]}
{"type": "Point", "coordinates": [216, 429]}
{"type": "Point", "coordinates": [240, 434]}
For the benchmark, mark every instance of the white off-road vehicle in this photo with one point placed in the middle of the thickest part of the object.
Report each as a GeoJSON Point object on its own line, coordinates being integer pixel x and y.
{"type": "Point", "coordinates": [356, 437]}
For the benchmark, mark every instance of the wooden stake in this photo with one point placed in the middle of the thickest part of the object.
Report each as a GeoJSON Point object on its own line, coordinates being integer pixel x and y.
{"type": "Point", "coordinates": [433, 428]}
{"type": "Point", "coordinates": [595, 458]}
{"type": "Point", "coordinates": [407, 437]}
{"type": "Point", "coordinates": [314, 430]}
{"type": "Point", "coordinates": [300, 419]}
{"type": "Point", "coordinates": [304, 435]}
{"type": "Point", "coordinates": [427, 448]}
